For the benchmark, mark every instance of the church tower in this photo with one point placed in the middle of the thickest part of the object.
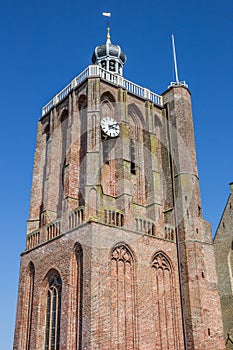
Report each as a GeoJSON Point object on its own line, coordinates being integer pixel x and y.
{"type": "Point", "coordinates": [118, 256]}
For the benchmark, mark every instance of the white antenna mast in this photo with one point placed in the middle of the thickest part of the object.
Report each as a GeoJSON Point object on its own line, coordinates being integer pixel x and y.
{"type": "Point", "coordinates": [177, 82]}
{"type": "Point", "coordinates": [174, 56]}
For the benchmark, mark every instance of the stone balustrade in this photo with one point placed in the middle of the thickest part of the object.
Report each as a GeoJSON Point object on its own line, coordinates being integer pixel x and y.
{"type": "Point", "coordinates": [113, 217]}
{"type": "Point", "coordinates": [145, 226]}
{"type": "Point", "coordinates": [113, 78]}
{"type": "Point", "coordinates": [53, 230]}
{"type": "Point", "coordinates": [169, 232]}
{"type": "Point", "coordinates": [76, 218]}
{"type": "Point", "coordinates": [33, 239]}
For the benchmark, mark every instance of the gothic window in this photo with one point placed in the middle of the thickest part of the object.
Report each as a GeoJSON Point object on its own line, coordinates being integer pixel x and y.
{"type": "Point", "coordinates": [64, 115]}
{"type": "Point", "coordinates": [30, 302]}
{"type": "Point", "coordinates": [47, 134]}
{"type": "Point", "coordinates": [123, 330]}
{"type": "Point", "coordinates": [164, 303]}
{"type": "Point", "coordinates": [136, 153]}
{"type": "Point", "coordinates": [82, 106]}
{"type": "Point", "coordinates": [27, 308]}
{"type": "Point", "coordinates": [53, 313]}
{"type": "Point", "coordinates": [76, 297]}
{"type": "Point", "coordinates": [79, 293]}
{"type": "Point", "coordinates": [64, 173]}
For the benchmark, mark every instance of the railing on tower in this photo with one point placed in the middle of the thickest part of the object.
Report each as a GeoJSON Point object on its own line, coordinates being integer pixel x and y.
{"type": "Point", "coordinates": [33, 239]}
{"type": "Point", "coordinates": [113, 78]}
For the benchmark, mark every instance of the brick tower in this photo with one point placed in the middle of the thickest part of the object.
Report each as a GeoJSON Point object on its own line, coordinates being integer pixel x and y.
{"type": "Point", "coordinates": [117, 253]}
{"type": "Point", "coordinates": [223, 246]}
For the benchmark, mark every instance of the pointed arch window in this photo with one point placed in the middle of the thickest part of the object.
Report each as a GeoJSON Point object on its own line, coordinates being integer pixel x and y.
{"type": "Point", "coordinates": [79, 294]}
{"type": "Point", "coordinates": [164, 301]}
{"type": "Point", "coordinates": [30, 300]}
{"type": "Point", "coordinates": [136, 153]}
{"type": "Point", "coordinates": [53, 314]}
{"type": "Point", "coordinates": [82, 106]}
{"type": "Point", "coordinates": [123, 309]}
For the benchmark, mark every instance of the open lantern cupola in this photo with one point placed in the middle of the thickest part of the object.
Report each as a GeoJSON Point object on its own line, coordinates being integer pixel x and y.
{"type": "Point", "coordinates": [109, 56]}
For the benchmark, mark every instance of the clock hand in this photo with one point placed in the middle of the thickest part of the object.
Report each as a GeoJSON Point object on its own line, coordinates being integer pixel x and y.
{"type": "Point", "coordinates": [113, 126]}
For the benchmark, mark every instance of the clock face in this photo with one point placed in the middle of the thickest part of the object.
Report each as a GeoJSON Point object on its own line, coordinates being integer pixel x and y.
{"type": "Point", "coordinates": [110, 127]}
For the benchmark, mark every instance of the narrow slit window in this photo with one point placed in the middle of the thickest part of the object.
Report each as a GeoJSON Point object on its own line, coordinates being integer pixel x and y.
{"type": "Point", "coordinates": [132, 157]}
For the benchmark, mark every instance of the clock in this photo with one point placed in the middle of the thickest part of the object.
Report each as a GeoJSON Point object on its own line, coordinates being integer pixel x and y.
{"type": "Point", "coordinates": [110, 127]}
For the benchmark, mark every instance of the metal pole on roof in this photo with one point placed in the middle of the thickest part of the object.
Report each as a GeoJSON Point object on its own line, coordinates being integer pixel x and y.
{"type": "Point", "coordinates": [174, 57]}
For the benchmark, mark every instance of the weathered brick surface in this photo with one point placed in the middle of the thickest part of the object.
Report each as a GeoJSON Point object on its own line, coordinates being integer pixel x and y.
{"type": "Point", "coordinates": [124, 292]}
{"type": "Point", "coordinates": [224, 262]}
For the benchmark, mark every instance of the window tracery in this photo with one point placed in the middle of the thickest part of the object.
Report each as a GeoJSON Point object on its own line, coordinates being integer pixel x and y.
{"type": "Point", "coordinates": [123, 309]}
{"type": "Point", "coordinates": [53, 313]}
{"type": "Point", "coordinates": [164, 301]}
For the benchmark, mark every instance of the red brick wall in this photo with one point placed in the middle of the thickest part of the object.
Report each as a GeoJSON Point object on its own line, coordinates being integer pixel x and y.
{"type": "Point", "coordinates": [125, 291]}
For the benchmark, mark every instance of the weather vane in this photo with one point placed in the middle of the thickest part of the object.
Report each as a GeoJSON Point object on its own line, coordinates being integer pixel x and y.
{"type": "Point", "coordinates": [107, 14]}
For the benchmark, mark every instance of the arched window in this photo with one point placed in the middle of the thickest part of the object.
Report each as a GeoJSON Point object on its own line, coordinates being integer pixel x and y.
{"type": "Point", "coordinates": [164, 301]}
{"type": "Point", "coordinates": [82, 106]}
{"type": "Point", "coordinates": [79, 294]}
{"type": "Point", "coordinates": [136, 153]}
{"type": "Point", "coordinates": [31, 278]}
{"type": "Point", "coordinates": [64, 172]}
{"type": "Point", "coordinates": [53, 313]}
{"type": "Point", "coordinates": [75, 300]}
{"type": "Point", "coordinates": [25, 312]}
{"type": "Point", "coordinates": [123, 308]}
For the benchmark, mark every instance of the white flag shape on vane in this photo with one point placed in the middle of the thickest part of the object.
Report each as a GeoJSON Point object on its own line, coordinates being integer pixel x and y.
{"type": "Point", "coordinates": [107, 14]}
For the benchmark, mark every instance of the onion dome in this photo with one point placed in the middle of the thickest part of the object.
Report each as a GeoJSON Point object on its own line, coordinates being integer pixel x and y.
{"type": "Point", "coordinates": [109, 56]}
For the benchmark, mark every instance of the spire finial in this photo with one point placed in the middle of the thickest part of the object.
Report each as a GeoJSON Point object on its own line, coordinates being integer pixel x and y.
{"type": "Point", "coordinates": [108, 33]}
{"type": "Point", "coordinates": [108, 14]}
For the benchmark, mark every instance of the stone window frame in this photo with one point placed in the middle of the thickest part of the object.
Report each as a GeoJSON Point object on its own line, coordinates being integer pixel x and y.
{"type": "Point", "coordinates": [53, 313]}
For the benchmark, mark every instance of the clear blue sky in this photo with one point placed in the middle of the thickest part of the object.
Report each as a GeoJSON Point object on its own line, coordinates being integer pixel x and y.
{"type": "Point", "coordinates": [45, 44]}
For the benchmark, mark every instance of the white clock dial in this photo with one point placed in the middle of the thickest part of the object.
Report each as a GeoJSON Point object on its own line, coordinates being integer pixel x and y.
{"type": "Point", "coordinates": [110, 127]}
